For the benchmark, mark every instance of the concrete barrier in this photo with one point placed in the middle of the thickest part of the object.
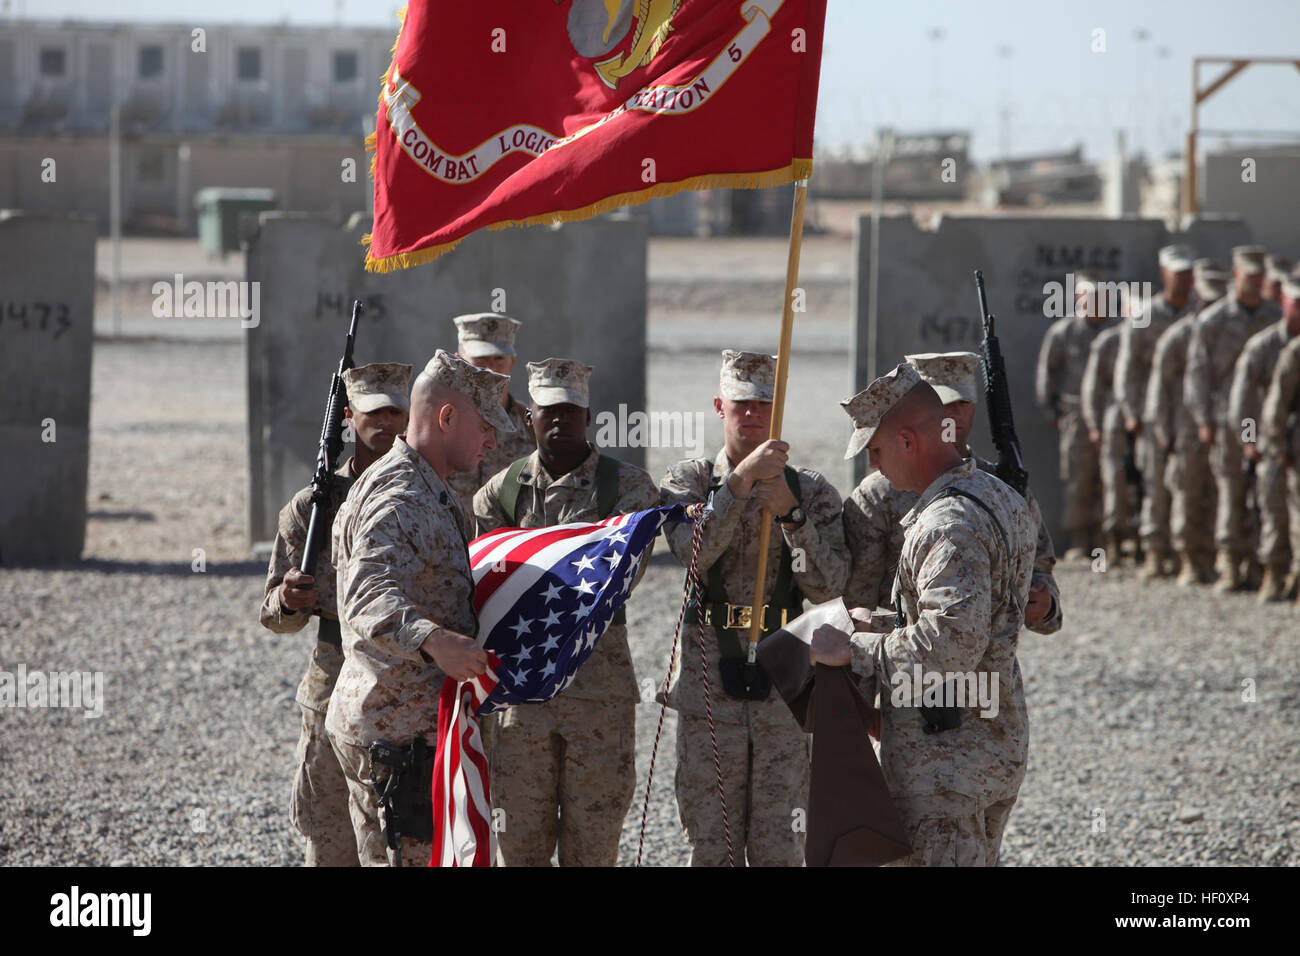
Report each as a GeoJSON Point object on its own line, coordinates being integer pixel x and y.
{"type": "Point", "coordinates": [579, 290]}
{"type": "Point", "coordinates": [927, 302]}
{"type": "Point", "coordinates": [47, 292]}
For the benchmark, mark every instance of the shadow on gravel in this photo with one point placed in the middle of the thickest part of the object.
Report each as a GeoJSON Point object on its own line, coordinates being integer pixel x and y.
{"type": "Point", "coordinates": [226, 569]}
{"type": "Point", "coordinates": [121, 515]}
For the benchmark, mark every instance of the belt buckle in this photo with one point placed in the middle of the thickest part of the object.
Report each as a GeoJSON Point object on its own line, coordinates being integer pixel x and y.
{"type": "Point", "coordinates": [739, 616]}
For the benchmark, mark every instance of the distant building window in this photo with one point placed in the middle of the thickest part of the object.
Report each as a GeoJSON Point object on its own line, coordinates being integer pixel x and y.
{"type": "Point", "coordinates": [345, 66]}
{"type": "Point", "coordinates": [54, 61]}
{"type": "Point", "coordinates": [248, 63]}
{"type": "Point", "coordinates": [151, 62]}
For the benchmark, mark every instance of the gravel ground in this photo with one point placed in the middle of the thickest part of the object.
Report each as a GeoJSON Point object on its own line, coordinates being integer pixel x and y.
{"type": "Point", "coordinates": [1143, 750]}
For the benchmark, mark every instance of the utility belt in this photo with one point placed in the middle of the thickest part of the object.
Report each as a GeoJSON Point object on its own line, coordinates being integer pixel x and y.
{"type": "Point", "coordinates": [739, 617]}
{"type": "Point", "coordinates": [329, 632]}
{"type": "Point", "coordinates": [740, 679]}
{"type": "Point", "coordinates": [405, 797]}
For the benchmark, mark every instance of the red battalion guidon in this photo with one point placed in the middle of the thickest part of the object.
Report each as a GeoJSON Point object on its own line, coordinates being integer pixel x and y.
{"type": "Point", "coordinates": [509, 112]}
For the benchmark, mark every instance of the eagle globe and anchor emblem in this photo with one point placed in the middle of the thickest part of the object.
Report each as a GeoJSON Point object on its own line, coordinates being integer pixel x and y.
{"type": "Point", "coordinates": [599, 27]}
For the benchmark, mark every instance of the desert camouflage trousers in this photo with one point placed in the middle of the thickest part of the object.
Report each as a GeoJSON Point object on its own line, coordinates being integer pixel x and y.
{"type": "Point", "coordinates": [953, 830]}
{"type": "Point", "coordinates": [318, 806]}
{"type": "Point", "coordinates": [1277, 489]}
{"type": "Point", "coordinates": [1192, 496]}
{"type": "Point", "coordinates": [1157, 501]}
{"type": "Point", "coordinates": [363, 806]}
{"type": "Point", "coordinates": [1118, 506]}
{"type": "Point", "coordinates": [1232, 531]}
{"type": "Point", "coordinates": [563, 776]}
{"type": "Point", "coordinates": [765, 771]}
{"type": "Point", "coordinates": [1081, 476]}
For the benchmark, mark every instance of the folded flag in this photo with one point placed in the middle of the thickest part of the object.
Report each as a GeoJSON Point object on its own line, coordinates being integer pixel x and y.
{"type": "Point", "coordinates": [544, 597]}
{"type": "Point", "coordinates": [503, 112]}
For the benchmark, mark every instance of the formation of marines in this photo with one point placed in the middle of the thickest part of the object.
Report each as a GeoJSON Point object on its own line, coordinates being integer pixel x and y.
{"type": "Point", "coordinates": [1177, 422]}
{"type": "Point", "coordinates": [941, 563]}
{"type": "Point", "coordinates": [461, 456]}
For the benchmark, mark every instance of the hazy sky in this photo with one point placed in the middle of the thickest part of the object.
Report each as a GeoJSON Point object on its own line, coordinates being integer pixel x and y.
{"type": "Point", "coordinates": [883, 67]}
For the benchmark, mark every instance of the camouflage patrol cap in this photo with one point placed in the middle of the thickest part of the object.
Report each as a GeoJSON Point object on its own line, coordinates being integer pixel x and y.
{"type": "Point", "coordinates": [485, 388]}
{"type": "Point", "coordinates": [1211, 279]}
{"type": "Point", "coordinates": [556, 381]}
{"type": "Point", "coordinates": [747, 376]}
{"type": "Point", "coordinates": [951, 373]}
{"type": "Point", "coordinates": [1177, 257]}
{"type": "Point", "coordinates": [1278, 267]}
{"type": "Point", "coordinates": [485, 333]}
{"type": "Point", "coordinates": [872, 404]}
{"type": "Point", "coordinates": [378, 385]}
{"type": "Point", "coordinates": [1248, 260]}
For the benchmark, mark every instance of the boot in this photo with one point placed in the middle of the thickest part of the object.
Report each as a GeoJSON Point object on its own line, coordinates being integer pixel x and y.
{"type": "Point", "coordinates": [1114, 548]}
{"type": "Point", "coordinates": [1153, 565]}
{"type": "Point", "coordinates": [1292, 591]}
{"type": "Point", "coordinates": [1274, 585]}
{"type": "Point", "coordinates": [1188, 572]}
{"type": "Point", "coordinates": [1229, 573]}
{"type": "Point", "coordinates": [1205, 572]}
{"type": "Point", "coordinates": [1252, 574]}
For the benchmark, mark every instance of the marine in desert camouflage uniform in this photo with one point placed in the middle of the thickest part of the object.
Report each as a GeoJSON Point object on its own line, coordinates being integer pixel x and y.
{"type": "Point", "coordinates": [962, 582]}
{"type": "Point", "coordinates": [873, 513]}
{"type": "Point", "coordinates": [1059, 385]}
{"type": "Point", "coordinates": [1218, 337]}
{"type": "Point", "coordinates": [762, 749]}
{"type": "Point", "coordinates": [377, 408]}
{"type": "Point", "coordinates": [1279, 445]}
{"type": "Point", "coordinates": [1187, 462]}
{"type": "Point", "coordinates": [564, 771]}
{"type": "Point", "coordinates": [1133, 369]}
{"type": "Point", "coordinates": [405, 590]}
{"type": "Point", "coordinates": [487, 340]}
{"type": "Point", "coordinates": [1105, 423]}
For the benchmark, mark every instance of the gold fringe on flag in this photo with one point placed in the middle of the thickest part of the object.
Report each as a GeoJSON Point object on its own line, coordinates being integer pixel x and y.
{"type": "Point", "coordinates": [797, 170]}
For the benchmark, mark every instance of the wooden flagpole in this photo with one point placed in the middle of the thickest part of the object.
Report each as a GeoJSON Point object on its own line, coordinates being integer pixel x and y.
{"type": "Point", "coordinates": [778, 407]}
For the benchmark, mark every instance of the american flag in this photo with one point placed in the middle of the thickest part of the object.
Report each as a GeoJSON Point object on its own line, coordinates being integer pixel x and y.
{"type": "Point", "coordinates": [544, 597]}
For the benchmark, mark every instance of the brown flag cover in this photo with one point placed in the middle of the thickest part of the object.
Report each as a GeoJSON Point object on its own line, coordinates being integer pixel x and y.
{"type": "Point", "coordinates": [852, 820]}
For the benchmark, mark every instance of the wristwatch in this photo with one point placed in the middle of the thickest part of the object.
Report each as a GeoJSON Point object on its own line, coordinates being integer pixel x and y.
{"type": "Point", "coordinates": [794, 517]}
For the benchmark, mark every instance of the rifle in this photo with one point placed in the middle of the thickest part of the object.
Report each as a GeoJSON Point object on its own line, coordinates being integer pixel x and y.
{"type": "Point", "coordinates": [1133, 474]}
{"type": "Point", "coordinates": [997, 394]}
{"type": "Point", "coordinates": [331, 445]}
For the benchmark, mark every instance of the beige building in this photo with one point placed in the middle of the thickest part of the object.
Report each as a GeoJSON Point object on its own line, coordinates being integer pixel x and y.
{"type": "Point", "coordinates": [201, 105]}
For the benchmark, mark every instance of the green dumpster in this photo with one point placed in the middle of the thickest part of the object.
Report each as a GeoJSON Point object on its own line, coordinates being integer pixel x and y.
{"type": "Point", "coordinates": [220, 209]}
